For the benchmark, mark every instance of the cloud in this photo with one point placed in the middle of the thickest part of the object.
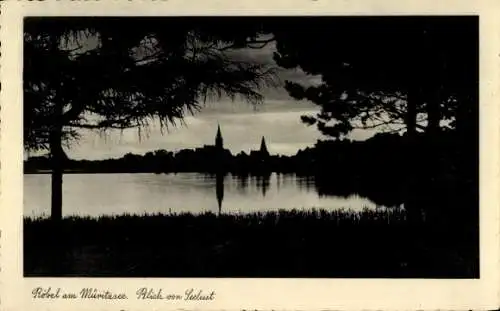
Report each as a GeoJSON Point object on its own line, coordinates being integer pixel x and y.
{"type": "Point", "coordinates": [269, 105]}
{"type": "Point", "coordinates": [264, 56]}
{"type": "Point", "coordinates": [242, 129]}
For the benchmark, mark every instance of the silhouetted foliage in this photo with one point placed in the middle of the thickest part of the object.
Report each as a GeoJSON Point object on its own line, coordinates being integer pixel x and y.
{"type": "Point", "coordinates": [117, 73]}
{"type": "Point", "coordinates": [388, 73]}
{"type": "Point", "coordinates": [381, 156]}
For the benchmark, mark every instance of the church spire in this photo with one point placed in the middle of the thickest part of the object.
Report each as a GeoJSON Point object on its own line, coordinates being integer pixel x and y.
{"type": "Point", "coordinates": [219, 142]}
{"type": "Point", "coordinates": [263, 147]}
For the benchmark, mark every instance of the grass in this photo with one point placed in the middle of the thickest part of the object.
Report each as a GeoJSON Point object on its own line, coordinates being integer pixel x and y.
{"type": "Point", "coordinates": [314, 243]}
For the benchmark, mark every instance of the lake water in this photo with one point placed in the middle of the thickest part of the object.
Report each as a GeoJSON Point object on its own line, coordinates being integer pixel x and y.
{"type": "Point", "coordinates": [112, 194]}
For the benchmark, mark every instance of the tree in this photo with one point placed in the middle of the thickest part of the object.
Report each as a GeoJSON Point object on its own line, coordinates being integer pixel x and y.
{"type": "Point", "coordinates": [118, 73]}
{"type": "Point", "coordinates": [389, 73]}
{"type": "Point", "coordinates": [394, 74]}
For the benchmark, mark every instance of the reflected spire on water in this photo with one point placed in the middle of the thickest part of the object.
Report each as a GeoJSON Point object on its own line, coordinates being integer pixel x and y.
{"type": "Point", "coordinates": [219, 189]}
{"type": "Point", "coordinates": [220, 169]}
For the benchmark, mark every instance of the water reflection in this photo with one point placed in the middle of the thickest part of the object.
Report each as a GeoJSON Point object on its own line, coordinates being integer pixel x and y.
{"type": "Point", "coordinates": [263, 182]}
{"type": "Point", "coordinates": [243, 182]}
{"type": "Point", "coordinates": [114, 194]}
{"type": "Point", "coordinates": [420, 202]}
{"type": "Point", "coordinates": [246, 184]}
{"type": "Point", "coordinates": [219, 189]}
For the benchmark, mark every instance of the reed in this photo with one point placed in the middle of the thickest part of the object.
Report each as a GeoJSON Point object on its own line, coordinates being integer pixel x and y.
{"type": "Point", "coordinates": [284, 243]}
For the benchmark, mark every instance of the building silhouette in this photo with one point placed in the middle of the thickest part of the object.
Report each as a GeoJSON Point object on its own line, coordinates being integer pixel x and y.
{"type": "Point", "coordinates": [215, 154]}
{"type": "Point", "coordinates": [217, 147]}
{"type": "Point", "coordinates": [219, 141]}
{"type": "Point", "coordinates": [262, 153]}
{"type": "Point", "coordinates": [263, 147]}
{"type": "Point", "coordinates": [218, 157]}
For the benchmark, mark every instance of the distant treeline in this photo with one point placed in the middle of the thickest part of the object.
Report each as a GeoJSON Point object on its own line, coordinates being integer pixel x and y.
{"type": "Point", "coordinates": [380, 156]}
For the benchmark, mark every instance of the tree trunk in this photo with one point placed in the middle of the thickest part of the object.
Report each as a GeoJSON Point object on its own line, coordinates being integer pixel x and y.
{"type": "Point", "coordinates": [58, 237]}
{"type": "Point", "coordinates": [57, 164]}
{"type": "Point", "coordinates": [434, 72]}
{"type": "Point", "coordinates": [432, 93]}
{"type": "Point", "coordinates": [432, 145]}
{"type": "Point", "coordinates": [413, 99]}
{"type": "Point", "coordinates": [433, 111]}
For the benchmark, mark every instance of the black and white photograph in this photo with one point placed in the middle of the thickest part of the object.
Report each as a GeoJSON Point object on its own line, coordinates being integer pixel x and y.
{"type": "Point", "coordinates": [251, 146]}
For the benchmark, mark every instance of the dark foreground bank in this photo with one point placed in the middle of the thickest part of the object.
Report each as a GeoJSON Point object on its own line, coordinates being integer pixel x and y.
{"type": "Point", "coordinates": [275, 244]}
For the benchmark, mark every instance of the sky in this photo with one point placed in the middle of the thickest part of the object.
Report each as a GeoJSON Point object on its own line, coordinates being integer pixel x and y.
{"type": "Point", "coordinates": [242, 125]}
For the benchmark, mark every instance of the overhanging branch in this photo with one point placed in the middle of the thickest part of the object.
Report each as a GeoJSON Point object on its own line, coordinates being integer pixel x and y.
{"type": "Point", "coordinates": [103, 126]}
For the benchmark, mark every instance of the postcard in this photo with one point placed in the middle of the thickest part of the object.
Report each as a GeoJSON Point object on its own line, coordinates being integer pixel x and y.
{"type": "Point", "coordinates": [222, 155]}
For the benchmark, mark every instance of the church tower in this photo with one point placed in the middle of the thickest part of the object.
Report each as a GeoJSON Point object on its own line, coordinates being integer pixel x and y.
{"type": "Point", "coordinates": [263, 147]}
{"type": "Point", "coordinates": [219, 143]}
